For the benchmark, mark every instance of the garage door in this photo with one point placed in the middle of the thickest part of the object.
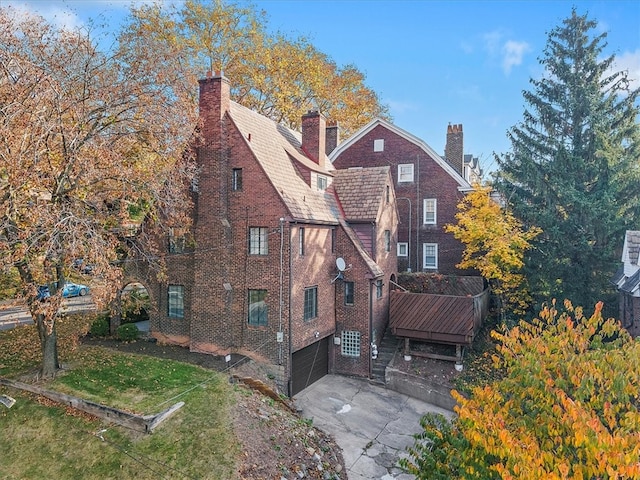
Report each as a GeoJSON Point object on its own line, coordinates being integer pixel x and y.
{"type": "Point", "coordinates": [309, 365]}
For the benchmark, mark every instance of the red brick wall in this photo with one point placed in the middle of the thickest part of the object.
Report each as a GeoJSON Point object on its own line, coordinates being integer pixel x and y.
{"type": "Point", "coordinates": [430, 181]}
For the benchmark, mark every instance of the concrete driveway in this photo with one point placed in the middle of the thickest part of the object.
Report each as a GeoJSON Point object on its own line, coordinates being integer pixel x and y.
{"type": "Point", "coordinates": [371, 424]}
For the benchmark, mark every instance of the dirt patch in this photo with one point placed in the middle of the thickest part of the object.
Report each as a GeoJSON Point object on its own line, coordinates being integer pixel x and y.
{"type": "Point", "coordinates": [277, 443]}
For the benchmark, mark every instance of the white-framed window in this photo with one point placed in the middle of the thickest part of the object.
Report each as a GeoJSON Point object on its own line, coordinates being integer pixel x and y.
{"type": "Point", "coordinates": [257, 308]}
{"type": "Point", "coordinates": [387, 240]}
{"type": "Point", "coordinates": [258, 241]}
{"type": "Point", "coordinates": [350, 343]}
{"type": "Point", "coordinates": [430, 211]}
{"type": "Point", "coordinates": [405, 172]}
{"type": "Point", "coordinates": [378, 145]}
{"type": "Point", "coordinates": [310, 303]}
{"type": "Point", "coordinates": [322, 182]}
{"type": "Point", "coordinates": [175, 301]}
{"type": "Point", "coordinates": [403, 249]}
{"type": "Point", "coordinates": [430, 255]}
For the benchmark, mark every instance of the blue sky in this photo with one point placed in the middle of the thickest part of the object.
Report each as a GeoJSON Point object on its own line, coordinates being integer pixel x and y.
{"type": "Point", "coordinates": [434, 62]}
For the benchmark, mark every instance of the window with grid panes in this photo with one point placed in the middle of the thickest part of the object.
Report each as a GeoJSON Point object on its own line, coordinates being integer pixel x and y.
{"type": "Point", "coordinates": [175, 301]}
{"type": "Point", "coordinates": [258, 241]}
{"type": "Point", "coordinates": [310, 303]}
{"type": "Point", "coordinates": [350, 343]}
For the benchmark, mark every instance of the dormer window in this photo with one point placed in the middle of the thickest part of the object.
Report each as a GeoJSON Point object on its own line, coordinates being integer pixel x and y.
{"type": "Point", "coordinates": [322, 183]}
{"type": "Point", "coordinates": [378, 145]}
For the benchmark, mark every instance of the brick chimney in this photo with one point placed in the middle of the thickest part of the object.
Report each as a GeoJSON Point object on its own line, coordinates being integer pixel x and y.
{"type": "Point", "coordinates": [314, 127]}
{"type": "Point", "coordinates": [215, 96]}
{"type": "Point", "coordinates": [333, 137]}
{"type": "Point", "coordinates": [454, 149]}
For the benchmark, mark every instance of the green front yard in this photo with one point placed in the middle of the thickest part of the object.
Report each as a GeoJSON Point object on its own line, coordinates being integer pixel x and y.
{"type": "Point", "coordinates": [40, 439]}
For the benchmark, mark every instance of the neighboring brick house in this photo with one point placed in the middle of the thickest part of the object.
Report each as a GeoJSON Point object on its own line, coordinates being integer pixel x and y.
{"type": "Point", "coordinates": [627, 279]}
{"type": "Point", "coordinates": [289, 260]}
{"type": "Point", "coordinates": [428, 190]}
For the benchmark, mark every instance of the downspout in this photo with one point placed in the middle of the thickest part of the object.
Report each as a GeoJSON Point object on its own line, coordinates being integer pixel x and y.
{"type": "Point", "coordinates": [409, 234]}
{"type": "Point", "coordinates": [371, 287]}
{"type": "Point", "coordinates": [280, 334]}
{"type": "Point", "coordinates": [418, 213]}
{"type": "Point", "coordinates": [290, 352]}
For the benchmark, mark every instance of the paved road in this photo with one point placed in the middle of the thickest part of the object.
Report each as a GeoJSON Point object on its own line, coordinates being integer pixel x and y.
{"type": "Point", "coordinates": [12, 315]}
{"type": "Point", "coordinates": [372, 425]}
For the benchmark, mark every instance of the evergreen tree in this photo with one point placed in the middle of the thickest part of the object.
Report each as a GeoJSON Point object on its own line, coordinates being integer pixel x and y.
{"type": "Point", "coordinates": [574, 168]}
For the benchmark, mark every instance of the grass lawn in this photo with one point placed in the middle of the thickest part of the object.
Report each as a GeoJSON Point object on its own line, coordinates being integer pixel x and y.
{"type": "Point", "coordinates": [40, 439]}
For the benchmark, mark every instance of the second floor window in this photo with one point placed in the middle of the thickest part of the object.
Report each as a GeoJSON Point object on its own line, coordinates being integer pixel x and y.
{"type": "Point", "coordinates": [349, 288]}
{"type": "Point", "coordinates": [301, 241]}
{"type": "Point", "coordinates": [405, 172]}
{"type": "Point", "coordinates": [378, 288]}
{"type": "Point", "coordinates": [236, 179]}
{"type": "Point", "coordinates": [310, 303]}
{"type": "Point", "coordinates": [387, 240]}
{"type": "Point", "coordinates": [322, 182]}
{"type": "Point", "coordinates": [430, 211]}
{"type": "Point", "coordinates": [258, 241]}
{"type": "Point", "coordinates": [430, 255]}
{"type": "Point", "coordinates": [403, 249]}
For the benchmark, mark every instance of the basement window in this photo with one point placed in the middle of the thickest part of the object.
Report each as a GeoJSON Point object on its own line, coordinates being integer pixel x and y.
{"type": "Point", "coordinates": [350, 344]}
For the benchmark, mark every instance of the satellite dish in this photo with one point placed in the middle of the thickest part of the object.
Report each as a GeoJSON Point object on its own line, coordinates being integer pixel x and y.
{"type": "Point", "coordinates": [340, 263]}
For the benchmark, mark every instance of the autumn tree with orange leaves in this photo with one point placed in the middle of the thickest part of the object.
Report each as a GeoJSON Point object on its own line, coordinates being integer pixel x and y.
{"type": "Point", "coordinates": [495, 243]}
{"type": "Point", "coordinates": [86, 138]}
{"type": "Point", "coordinates": [276, 75]}
{"type": "Point", "coordinates": [568, 407]}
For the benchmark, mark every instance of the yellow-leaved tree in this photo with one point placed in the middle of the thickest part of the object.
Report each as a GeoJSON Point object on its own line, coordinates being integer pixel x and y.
{"type": "Point", "coordinates": [495, 243]}
{"type": "Point", "coordinates": [568, 406]}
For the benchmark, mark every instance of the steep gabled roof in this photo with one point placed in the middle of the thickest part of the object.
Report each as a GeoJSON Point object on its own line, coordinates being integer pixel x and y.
{"type": "Point", "coordinates": [360, 192]}
{"type": "Point", "coordinates": [276, 147]}
{"type": "Point", "coordinates": [462, 183]}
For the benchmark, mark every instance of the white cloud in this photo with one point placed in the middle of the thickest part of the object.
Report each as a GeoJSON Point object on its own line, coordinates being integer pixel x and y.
{"type": "Point", "coordinates": [512, 54]}
{"type": "Point", "coordinates": [630, 61]}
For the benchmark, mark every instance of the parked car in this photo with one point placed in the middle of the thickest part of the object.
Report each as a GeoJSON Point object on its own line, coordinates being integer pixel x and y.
{"type": "Point", "coordinates": [82, 267]}
{"type": "Point", "coordinates": [69, 290]}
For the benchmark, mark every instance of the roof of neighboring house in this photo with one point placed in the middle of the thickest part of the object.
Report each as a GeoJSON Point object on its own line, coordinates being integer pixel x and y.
{"type": "Point", "coordinates": [360, 191]}
{"type": "Point", "coordinates": [462, 183]}
{"type": "Point", "coordinates": [632, 283]}
{"type": "Point", "coordinates": [618, 277]}
{"type": "Point", "coordinates": [632, 247]}
{"type": "Point", "coordinates": [274, 147]}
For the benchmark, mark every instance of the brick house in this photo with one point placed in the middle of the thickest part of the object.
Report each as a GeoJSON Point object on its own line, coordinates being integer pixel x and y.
{"type": "Point", "coordinates": [627, 280]}
{"type": "Point", "coordinates": [288, 261]}
{"type": "Point", "coordinates": [428, 189]}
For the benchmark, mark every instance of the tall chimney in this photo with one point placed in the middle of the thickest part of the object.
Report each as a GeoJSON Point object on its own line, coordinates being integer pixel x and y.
{"type": "Point", "coordinates": [314, 127]}
{"type": "Point", "coordinates": [454, 149]}
{"type": "Point", "coordinates": [333, 137]}
{"type": "Point", "coordinates": [215, 97]}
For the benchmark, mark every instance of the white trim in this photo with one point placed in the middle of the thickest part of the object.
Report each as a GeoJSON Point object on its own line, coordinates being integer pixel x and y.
{"type": "Point", "coordinates": [399, 245]}
{"type": "Point", "coordinates": [435, 211]}
{"type": "Point", "coordinates": [463, 184]}
{"type": "Point", "coordinates": [424, 248]}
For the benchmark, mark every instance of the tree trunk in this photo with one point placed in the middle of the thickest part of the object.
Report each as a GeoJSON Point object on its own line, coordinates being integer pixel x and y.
{"type": "Point", "coordinates": [49, 347]}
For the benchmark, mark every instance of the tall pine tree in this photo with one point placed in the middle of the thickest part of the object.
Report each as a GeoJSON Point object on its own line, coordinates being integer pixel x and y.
{"type": "Point", "coordinates": [574, 167]}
